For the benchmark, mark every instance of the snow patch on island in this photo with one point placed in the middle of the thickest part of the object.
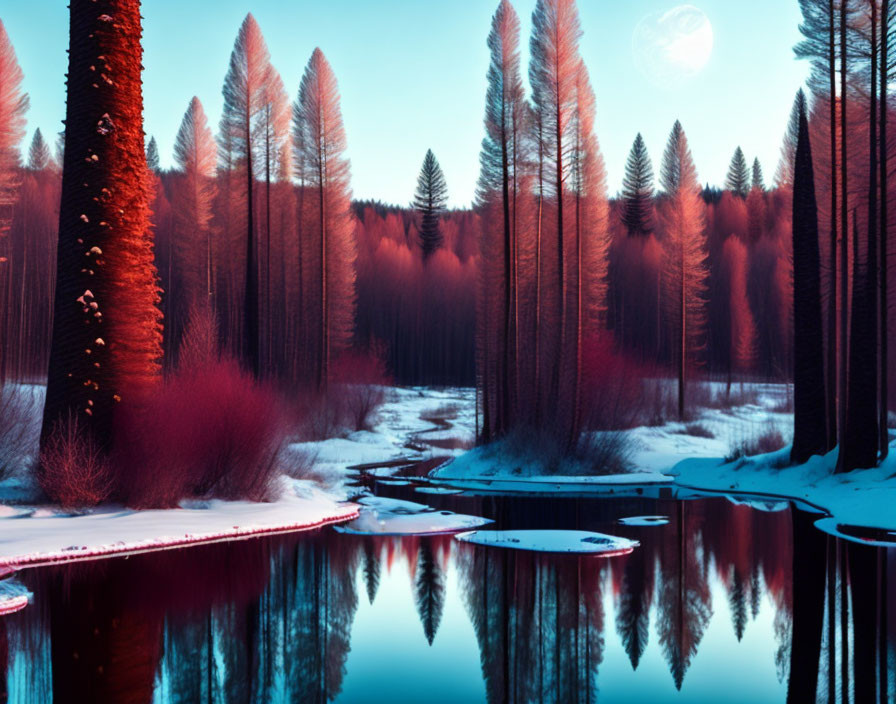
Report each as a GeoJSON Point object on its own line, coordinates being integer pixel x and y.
{"type": "Point", "coordinates": [383, 516]}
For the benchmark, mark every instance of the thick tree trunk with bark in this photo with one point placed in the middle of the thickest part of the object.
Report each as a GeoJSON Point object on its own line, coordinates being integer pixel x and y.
{"type": "Point", "coordinates": [106, 331]}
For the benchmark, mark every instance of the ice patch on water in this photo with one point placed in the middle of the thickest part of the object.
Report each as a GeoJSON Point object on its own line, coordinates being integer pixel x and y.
{"type": "Point", "coordinates": [642, 521]}
{"type": "Point", "coordinates": [13, 596]}
{"type": "Point", "coordinates": [552, 541]}
{"type": "Point", "coordinates": [383, 516]}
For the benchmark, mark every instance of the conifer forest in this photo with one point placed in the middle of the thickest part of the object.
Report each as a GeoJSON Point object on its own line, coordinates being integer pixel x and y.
{"type": "Point", "coordinates": [512, 351]}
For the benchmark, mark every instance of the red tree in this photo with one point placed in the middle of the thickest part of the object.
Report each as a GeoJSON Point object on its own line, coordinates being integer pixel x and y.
{"type": "Point", "coordinates": [106, 328]}
{"type": "Point", "coordinates": [195, 154]}
{"type": "Point", "coordinates": [501, 191]}
{"type": "Point", "coordinates": [554, 77]}
{"type": "Point", "coordinates": [246, 92]}
{"type": "Point", "coordinates": [327, 220]}
{"type": "Point", "coordinates": [685, 272]}
{"type": "Point", "coordinates": [742, 350]}
{"type": "Point", "coordinates": [13, 104]}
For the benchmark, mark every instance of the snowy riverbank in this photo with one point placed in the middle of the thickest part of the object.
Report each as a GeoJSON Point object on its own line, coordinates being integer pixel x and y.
{"type": "Point", "coordinates": [32, 533]}
{"type": "Point", "coordinates": [37, 535]}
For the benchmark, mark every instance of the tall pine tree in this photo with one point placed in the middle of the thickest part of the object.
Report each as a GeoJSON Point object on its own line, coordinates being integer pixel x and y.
{"type": "Point", "coordinates": [685, 272]}
{"type": "Point", "coordinates": [429, 200]}
{"type": "Point", "coordinates": [758, 181]}
{"type": "Point", "coordinates": [738, 179]}
{"type": "Point", "coordinates": [637, 191]}
{"type": "Point", "coordinates": [320, 139]}
{"type": "Point", "coordinates": [246, 89]}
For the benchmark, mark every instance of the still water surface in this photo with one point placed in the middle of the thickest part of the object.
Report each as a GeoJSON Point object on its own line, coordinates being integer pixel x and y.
{"type": "Point", "coordinates": [724, 603]}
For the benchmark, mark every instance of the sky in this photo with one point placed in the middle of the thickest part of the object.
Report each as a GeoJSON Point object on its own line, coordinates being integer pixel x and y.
{"type": "Point", "coordinates": [412, 76]}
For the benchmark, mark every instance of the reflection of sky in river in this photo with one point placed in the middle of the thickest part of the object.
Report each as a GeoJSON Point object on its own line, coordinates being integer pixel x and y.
{"type": "Point", "coordinates": [390, 660]}
{"type": "Point", "coordinates": [290, 619]}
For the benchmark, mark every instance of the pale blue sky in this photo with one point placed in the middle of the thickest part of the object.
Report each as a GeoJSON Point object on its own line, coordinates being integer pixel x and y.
{"type": "Point", "coordinates": [412, 77]}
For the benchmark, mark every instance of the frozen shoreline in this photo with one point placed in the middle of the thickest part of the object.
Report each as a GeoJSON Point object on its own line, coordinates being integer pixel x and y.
{"type": "Point", "coordinates": [33, 534]}
{"type": "Point", "coordinates": [46, 538]}
{"type": "Point", "coordinates": [668, 458]}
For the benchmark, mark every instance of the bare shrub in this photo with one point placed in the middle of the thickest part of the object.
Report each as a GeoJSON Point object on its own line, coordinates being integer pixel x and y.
{"type": "Point", "coordinates": [359, 380]}
{"type": "Point", "coordinates": [358, 386]}
{"type": "Point", "coordinates": [613, 397]}
{"type": "Point", "coordinates": [769, 440]}
{"type": "Point", "coordinates": [596, 453]}
{"type": "Point", "coordinates": [728, 398]}
{"type": "Point", "coordinates": [697, 430]}
{"type": "Point", "coordinates": [73, 471]}
{"type": "Point", "coordinates": [607, 452]}
{"type": "Point", "coordinates": [19, 428]}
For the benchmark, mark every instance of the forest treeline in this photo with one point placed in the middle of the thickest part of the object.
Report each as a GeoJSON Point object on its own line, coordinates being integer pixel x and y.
{"type": "Point", "coordinates": [528, 292]}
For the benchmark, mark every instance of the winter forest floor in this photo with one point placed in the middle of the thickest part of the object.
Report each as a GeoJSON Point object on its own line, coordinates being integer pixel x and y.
{"type": "Point", "coordinates": [422, 429]}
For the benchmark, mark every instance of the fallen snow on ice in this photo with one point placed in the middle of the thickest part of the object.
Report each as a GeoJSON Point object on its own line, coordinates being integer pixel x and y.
{"type": "Point", "coordinates": [14, 596]}
{"type": "Point", "coordinates": [644, 521]}
{"type": "Point", "coordinates": [552, 541]}
{"type": "Point", "coordinates": [384, 516]}
{"type": "Point", "coordinates": [864, 497]}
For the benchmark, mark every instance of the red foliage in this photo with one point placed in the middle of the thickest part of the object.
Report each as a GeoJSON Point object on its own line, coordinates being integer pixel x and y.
{"type": "Point", "coordinates": [74, 472]}
{"type": "Point", "coordinates": [209, 432]}
{"type": "Point", "coordinates": [327, 224]}
{"type": "Point", "coordinates": [743, 327]}
{"type": "Point", "coordinates": [358, 381]}
{"type": "Point", "coordinates": [613, 393]}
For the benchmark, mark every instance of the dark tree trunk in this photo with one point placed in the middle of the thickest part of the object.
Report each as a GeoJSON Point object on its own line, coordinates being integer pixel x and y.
{"type": "Point", "coordinates": [883, 407]}
{"type": "Point", "coordinates": [95, 358]}
{"type": "Point", "coordinates": [832, 261]}
{"type": "Point", "coordinates": [809, 564]}
{"type": "Point", "coordinates": [250, 298]}
{"type": "Point", "coordinates": [842, 437]}
{"type": "Point", "coordinates": [809, 418]}
{"type": "Point", "coordinates": [862, 417]}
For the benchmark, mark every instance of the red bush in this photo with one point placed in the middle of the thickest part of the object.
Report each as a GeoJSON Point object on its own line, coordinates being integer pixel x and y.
{"type": "Point", "coordinates": [613, 394]}
{"type": "Point", "coordinates": [73, 471]}
{"type": "Point", "coordinates": [211, 431]}
{"type": "Point", "coordinates": [358, 381]}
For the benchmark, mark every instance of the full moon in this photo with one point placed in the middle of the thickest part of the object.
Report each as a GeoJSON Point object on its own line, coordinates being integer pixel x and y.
{"type": "Point", "coordinates": [673, 46]}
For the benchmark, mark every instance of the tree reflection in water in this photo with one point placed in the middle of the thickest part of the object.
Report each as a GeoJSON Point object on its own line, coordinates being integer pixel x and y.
{"type": "Point", "coordinates": [271, 620]}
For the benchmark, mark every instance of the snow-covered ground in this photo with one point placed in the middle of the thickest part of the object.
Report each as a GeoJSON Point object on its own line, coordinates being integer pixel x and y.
{"type": "Point", "coordinates": [417, 424]}
{"type": "Point", "coordinates": [42, 535]}
{"type": "Point", "coordinates": [652, 450]}
{"type": "Point", "coordinates": [32, 533]}
{"type": "Point", "coordinates": [861, 498]}
{"type": "Point", "coordinates": [402, 431]}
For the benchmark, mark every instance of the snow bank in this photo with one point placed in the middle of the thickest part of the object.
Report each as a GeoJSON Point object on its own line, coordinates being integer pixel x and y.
{"type": "Point", "coordinates": [110, 531]}
{"type": "Point", "coordinates": [493, 468]}
{"type": "Point", "coordinates": [577, 542]}
{"type": "Point", "coordinates": [864, 497]}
